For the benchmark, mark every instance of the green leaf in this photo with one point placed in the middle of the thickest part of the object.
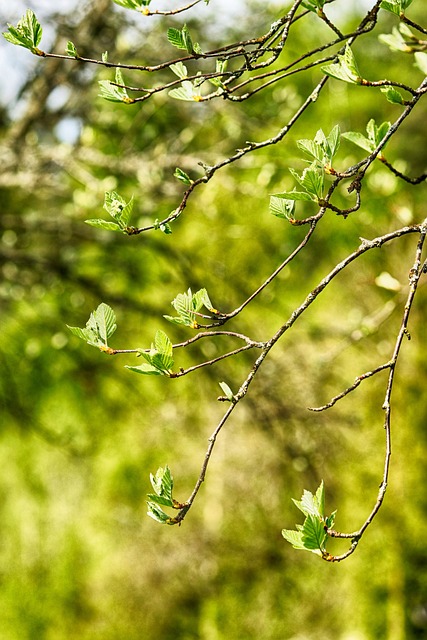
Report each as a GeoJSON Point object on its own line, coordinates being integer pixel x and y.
{"type": "Point", "coordinates": [27, 33]}
{"type": "Point", "coordinates": [187, 91]}
{"type": "Point", "coordinates": [401, 39]}
{"type": "Point", "coordinates": [294, 537]}
{"type": "Point", "coordinates": [314, 534]}
{"type": "Point", "coordinates": [375, 135]}
{"type": "Point", "coordinates": [396, 6]}
{"type": "Point", "coordinates": [421, 61]}
{"type": "Point", "coordinates": [188, 42]}
{"type": "Point", "coordinates": [311, 180]}
{"type": "Point", "coordinates": [133, 4]}
{"type": "Point", "coordinates": [313, 5]}
{"type": "Point", "coordinates": [112, 93]}
{"type": "Point", "coordinates": [319, 500]}
{"type": "Point", "coordinates": [179, 69]}
{"type": "Point", "coordinates": [159, 357]}
{"type": "Point", "coordinates": [103, 224]}
{"type": "Point", "coordinates": [227, 391]}
{"type": "Point", "coordinates": [146, 370]}
{"type": "Point", "coordinates": [323, 148]}
{"type": "Point", "coordinates": [393, 95]}
{"type": "Point", "coordinates": [163, 344]}
{"type": "Point", "coordinates": [293, 195]}
{"type": "Point", "coordinates": [104, 56]}
{"type": "Point", "coordinates": [282, 207]}
{"type": "Point", "coordinates": [333, 142]}
{"type": "Point", "coordinates": [162, 484]}
{"type": "Point", "coordinates": [184, 307]}
{"type": "Point", "coordinates": [71, 50]}
{"type": "Point", "coordinates": [359, 139]}
{"type": "Point", "coordinates": [99, 328]}
{"type": "Point", "coordinates": [345, 69]}
{"type": "Point", "coordinates": [118, 208]}
{"type": "Point", "coordinates": [83, 334]}
{"type": "Point", "coordinates": [176, 38]}
{"type": "Point", "coordinates": [182, 176]}
{"type": "Point", "coordinates": [158, 514]}
{"type": "Point", "coordinates": [105, 320]}
{"type": "Point", "coordinates": [181, 38]}
{"type": "Point", "coordinates": [187, 305]}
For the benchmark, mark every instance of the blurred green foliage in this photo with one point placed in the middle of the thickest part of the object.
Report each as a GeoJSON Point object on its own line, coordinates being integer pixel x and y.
{"type": "Point", "coordinates": [80, 434]}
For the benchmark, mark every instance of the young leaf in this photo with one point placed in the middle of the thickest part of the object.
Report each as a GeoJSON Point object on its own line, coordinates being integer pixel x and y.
{"type": "Point", "coordinates": [133, 4]}
{"type": "Point", "coordinates": [395, 6]}
{"type": "Point", "coordinates": [294, 195]}
{"type": "Point", "coordinates": [281, 207]}
{"type": "Point", "coordinates": [159, 357]}
{"type": "Point", "coordinates": [333, 142]}
{"type": "Point", "coordinates": [162, 484]}
{"type": "Point", "coordinates": [179, 69]}
{"type": "Point", "coordinates": [311, 180]}
{"type": "Point", "coordinates": [188, 305]}
{"type": "Point", "coordinates": [181, 39]}
{"type": "Point", "coordinates": [227, 391]}
{"type": "Point", "coordinates": [118, 208]}
{"type": "Point", "coordinates": [145, 369]}
{"type": "Point", "coordinates": [221, 66]}
{"type": "Point", "coordinates": [163, 344]}
{"type": "Point", "coordinates": [294, 537]}
{"type": "Point", "coordinates": [186, 37]}
{"type": "Point", "coordinates": [176, 38]}
{"type": "Point", "coordinates": [375, 135]}
{"type": "Point", "coordinates": [345, 69]}
{"type": "Point", "coordinates": [27, 33]}
{"type": "Point", "coordinates": [103, 224]}
{"type": "Point", "coordinates": [71, 50]}
{"type": "Point", "coordinates": [105, 320]}
{"type": "Point", "coordinates": [158, 514]}
{"type": "Point", "coordinates": [206, 302]}
{"type": "Point", "coordinates": [393, 95]}
{"type": "Point", "coordinates": [313, 5]}
{"type": "Point", "coordinates": [112, 93]}
{"type": "Point", "coordinates": [187, 91]}
{"type": "Point", "coordinates": [401, 39]}
{"type": "Point", "coordinates": [314, 534]}
{"type": "Point", "coordinates": [99, 328]}
{"type": "Point", "coordinates": [359, 139]}
{"type": "Point", "coordinates": [182, 176]}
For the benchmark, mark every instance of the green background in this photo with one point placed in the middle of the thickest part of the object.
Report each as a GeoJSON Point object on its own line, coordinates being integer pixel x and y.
{"type": "Point", "coordinates": [79, 434]}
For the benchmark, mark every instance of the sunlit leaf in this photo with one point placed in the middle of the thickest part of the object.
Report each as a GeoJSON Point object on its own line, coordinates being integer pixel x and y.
{"type": "Point", "coordinates": [27, 33]}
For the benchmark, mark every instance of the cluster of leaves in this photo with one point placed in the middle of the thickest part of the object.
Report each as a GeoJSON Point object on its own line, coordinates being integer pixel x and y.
{"type": "Point", "coordinates": [321, 151]}
{"type": "Point", "coordinates": [402, 39]}
{"type": "Point", "coordinates": [189, 90]}
{"type": "Point", "coordinates": [375, 135]}
{"type": "Point", "coordinates": [27, 33]}
{"type": "Point", "coordinates": [162, 484]}
{"type": "Point", "coordinates": [110, 91]}
{"type": "Point", "coordinates": [396, 6]}
{"type": "Point", "coordinates": [182, 39]}
{"type": "Point", "coordinates": [159, 358]}
{"type": "Point", "coordinates": [119, 210]}
{"type": "Point", "coordinates": [313, 533]}
{"type": "Point", "coordinates": [188, 306]}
